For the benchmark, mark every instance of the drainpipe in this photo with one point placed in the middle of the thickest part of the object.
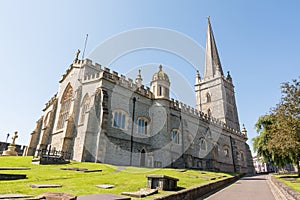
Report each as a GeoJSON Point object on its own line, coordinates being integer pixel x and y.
{"type": "Point", "coordinates": [232, 153]}
{"type": "Point", "coordinates": [132, 125]}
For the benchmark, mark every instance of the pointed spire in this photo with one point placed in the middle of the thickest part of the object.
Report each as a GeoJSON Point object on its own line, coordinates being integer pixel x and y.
{"type": "Point", "coordinates": [228, 76]}
{"type": "Point", "coordinates": [198, 78]}
{"type": "Point", "coordinates": [139, 79]}
{"type": "Point", "coordinates": [212, 61]}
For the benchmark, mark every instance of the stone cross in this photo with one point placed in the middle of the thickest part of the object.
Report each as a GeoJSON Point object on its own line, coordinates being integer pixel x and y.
{"type": "Point", "coordinates": [14, 138]}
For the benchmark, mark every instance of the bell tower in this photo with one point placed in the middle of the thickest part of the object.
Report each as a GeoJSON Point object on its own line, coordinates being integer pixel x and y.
{"type": "Point", "coordinates": [215, 94]}
{"type": "Point", "coordinates": [160, 85]}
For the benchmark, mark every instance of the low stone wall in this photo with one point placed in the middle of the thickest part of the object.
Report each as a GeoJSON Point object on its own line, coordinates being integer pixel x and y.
{"type": "Point", "coordinates": [286, 190]}
{"type": "Point", "coordinates": [196, 192]}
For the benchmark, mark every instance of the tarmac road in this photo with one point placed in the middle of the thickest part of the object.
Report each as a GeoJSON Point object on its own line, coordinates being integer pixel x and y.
{"type": "Point", "coordinates": [247, 188]}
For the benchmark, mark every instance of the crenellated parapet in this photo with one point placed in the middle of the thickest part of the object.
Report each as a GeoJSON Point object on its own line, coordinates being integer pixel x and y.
{"type": "Point", "coordinates": [120, 80]}
{"type": "Point", "coordinates": [193, 112]}
{"type": "Point", "coordinates": [50, 102]}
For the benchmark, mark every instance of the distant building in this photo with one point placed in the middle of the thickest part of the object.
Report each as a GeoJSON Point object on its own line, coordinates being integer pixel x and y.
{"type": "Point", "coordinates": [99, 116]}
{"type": "Point", "coordinates": [265, 167]}
{"type": "Point", "coordinates": [262, 167]}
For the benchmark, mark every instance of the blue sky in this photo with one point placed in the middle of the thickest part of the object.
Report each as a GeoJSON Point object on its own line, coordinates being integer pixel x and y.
{"type": "Point", "coordinates": [258, 41]}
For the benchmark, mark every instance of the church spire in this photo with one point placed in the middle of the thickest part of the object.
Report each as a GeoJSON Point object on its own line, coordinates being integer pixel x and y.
{"type": "Point", "coordinates": [212, 61]}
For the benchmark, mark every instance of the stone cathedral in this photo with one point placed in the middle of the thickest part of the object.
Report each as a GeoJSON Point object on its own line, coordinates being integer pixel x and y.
{"type": "Point", "coordinates": [98, 115]}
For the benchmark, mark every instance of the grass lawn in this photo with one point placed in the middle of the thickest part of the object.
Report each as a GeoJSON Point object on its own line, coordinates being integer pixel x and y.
{"type": "Point", "coordinates": [129, 179]}
{"type": "Point", "coordinates": [291, 180]}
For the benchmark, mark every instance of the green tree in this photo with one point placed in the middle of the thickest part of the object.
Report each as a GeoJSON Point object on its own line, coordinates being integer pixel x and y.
{"type": "Point", "coordinates": [279, 132]}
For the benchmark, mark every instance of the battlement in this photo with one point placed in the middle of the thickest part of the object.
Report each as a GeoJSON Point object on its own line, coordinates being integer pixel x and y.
{"type": "Point", "coordinates": [207, 79]}
{"type": "Point", "coordinates": [120, 80]}
{"type": "Point", "coordinates": [186, 109]}
{"type": "Point", "coordinates": [50, 102]}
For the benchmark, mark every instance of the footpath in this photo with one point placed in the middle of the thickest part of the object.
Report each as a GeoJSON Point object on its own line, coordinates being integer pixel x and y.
{"type": "Point", "coordinates": [258, 187]}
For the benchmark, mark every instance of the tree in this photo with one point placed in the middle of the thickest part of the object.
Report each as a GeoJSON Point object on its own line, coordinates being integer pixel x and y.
{"type": "Point", "coordinates": [278, 141]}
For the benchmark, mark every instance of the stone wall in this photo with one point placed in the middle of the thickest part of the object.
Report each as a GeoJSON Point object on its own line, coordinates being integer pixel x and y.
{"type": "Point", "coordinates": [95, 139]}
{"type": "Point", "coordinates": [196, 192]}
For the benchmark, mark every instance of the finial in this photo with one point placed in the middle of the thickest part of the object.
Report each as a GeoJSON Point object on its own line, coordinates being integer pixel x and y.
{"type": "Point", "coordinates": [160, 68]}
{"type": "Point", "coordinates": [208, 18]}
{"type": "Point", "coordinates": [77, 54]}
{"type": "Point", "coordinates": [228, 76]}
{"type": "Point", "coordinates": [244, 130]}
{"type": "Point", "coordinates": [198, 78]}
{"type": "Point", "coordinates": [139, 79]}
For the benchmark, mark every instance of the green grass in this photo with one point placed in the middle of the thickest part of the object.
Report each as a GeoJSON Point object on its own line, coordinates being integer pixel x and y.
{"type": "Point", "coordinates": [293, 181]}
{"type": "Point", "coordinates": [130, 179]}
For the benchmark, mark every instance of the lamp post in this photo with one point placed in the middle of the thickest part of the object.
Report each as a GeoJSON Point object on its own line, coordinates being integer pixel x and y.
{"type": "Point", "coordinates": [7, 137]}
{"type": "Point", "coordinates": [132, 125]}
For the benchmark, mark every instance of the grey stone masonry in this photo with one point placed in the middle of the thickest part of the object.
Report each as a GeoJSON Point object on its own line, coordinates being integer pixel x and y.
{"type": "Point", "coordinates": [99, 115]}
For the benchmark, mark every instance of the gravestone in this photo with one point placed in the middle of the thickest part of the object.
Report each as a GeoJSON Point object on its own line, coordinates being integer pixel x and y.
{"type": "Point", "coordinates": [143, 192]}
{"type": "Point", "coordinates": [45, 186]}
{"type": "Point", "coordinates": [56, 196]}
{"type": "Point", "coordinates": [11, 149]}
{"type": "Point", "coordinates": [12, 176]}
{"type": "Point", "coordinates": [162, 182]}
{"type": "Point", "coordinates": [103, 197]}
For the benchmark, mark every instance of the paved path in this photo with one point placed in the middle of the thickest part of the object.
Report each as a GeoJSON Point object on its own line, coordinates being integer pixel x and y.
{"type": "Point", "coordinates": [247, 188]}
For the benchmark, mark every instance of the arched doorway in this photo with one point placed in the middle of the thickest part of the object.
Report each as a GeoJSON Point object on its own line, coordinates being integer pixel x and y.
{"type": "Point", "coordinates": [143, 158]}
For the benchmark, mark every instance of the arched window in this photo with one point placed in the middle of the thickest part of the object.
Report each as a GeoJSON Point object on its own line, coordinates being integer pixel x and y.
{"type": "Point", "coordinates": [84, 107]}
{"type": "Point", "coordinates": [142, 125]}
{"type": "Point", "coordinates": [175, 135]}
{"type": "Point", "coordinates": [208, 98]}
{"type": "Point", "coordinates": [226, 151]}
{"type": "Point", "coordinates": [65, 106]}
{"type": "Point", "coordinates": [119, 119]}
{"type": "Point", "coordinates": [160, 91]}
{"type": "Point", "coordinates": [202, 144]}
{"type": "Point", "coordinates": [216, 149]}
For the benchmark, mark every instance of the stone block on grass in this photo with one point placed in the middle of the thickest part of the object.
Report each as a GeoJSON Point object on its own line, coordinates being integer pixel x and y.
{"type": "Point", "coordinates": [45, 186]}
{"type": "Point", "coordinates": [56, 196]}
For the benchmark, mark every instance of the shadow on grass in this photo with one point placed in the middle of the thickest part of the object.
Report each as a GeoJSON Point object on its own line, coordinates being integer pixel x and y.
{"type": "Point", "coordinates": [179, 188]}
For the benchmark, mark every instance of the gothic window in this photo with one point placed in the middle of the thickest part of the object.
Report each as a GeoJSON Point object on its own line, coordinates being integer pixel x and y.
{"type": "Point", "coordinates": [119, 119]}
{"type": "Point", "coordinates": [65, 106]}
{"type": "Point", "coordinates": [84, 107]}
{"type": "Point", "coordinates": [242, 156]}
{"type": "Point", "coordinates": [175, 135]}
{"type": "Point", "coordinates": [208, 98]}
{"type": "Point", "coordinates": [216, 149]}
{"type": "Point", "coordinates": [202, 144]}
{"type": "Point", "coordinates": [226, 151]}
{"type": "Point", "coordinates": [142, 125]}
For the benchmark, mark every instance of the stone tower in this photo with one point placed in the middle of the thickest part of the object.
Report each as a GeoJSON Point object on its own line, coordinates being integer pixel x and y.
{"type": "Point", "coordinates": [160, 85]}
{"type": "Point", "coordinates": [215, 92]}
